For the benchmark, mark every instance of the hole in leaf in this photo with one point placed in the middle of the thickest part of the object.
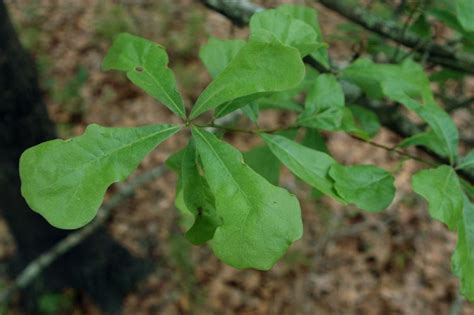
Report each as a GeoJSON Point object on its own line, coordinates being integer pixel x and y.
{"type": "Point", "coordinates": [138, 69]}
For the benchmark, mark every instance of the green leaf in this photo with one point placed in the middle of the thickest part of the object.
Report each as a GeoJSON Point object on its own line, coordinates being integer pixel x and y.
{"type": "Point", "coordinates": [369, 76]}
{"type": "Point", "coordinates": [439, 121]}
{"type": "Point", "coordinates": [65, 181]}
{"type": "Point", "coordinates": [467, 162]}
{"type": "Point", "coordinates": [367, 186]}
{"type": "Point", "coordinates": [260, 221]}
{"type": "Point", "coordinates": [465, 14]}
{"type": "Point", "coordinates": [314, 140]}
{"type": "Point", "coordinates": [463, 257]}
{"type": "Point", "coordinates": [448, 18]}
{"type": "Point", "coordinates": [324, 105]}
{"type": "Point", "coordinates": [146, 65]}
{"type": "Point", "coordinates": [365, 120]}
{"type": "Point", "coordinates": [309, 16]}
{"type": "Point", "coordinates": [421, 27]}
{"type": "Point", "coordinates": [427, 139]}
{"type": "Point", "coordinates": [252, 111]}
{"type": "Point", "coordinates": [270, 24]}
{"type": "Point", "coordinates": [198, 198]}
{"type": "Point", "coordinates": [217, 54]}
{"type": "Point", "coordinates": [173, 162]}
{"type": "Point", "coordinates": [264, 162]}
{"type": "Point", "coordinates": [349, 125]}
{"type": "Point", "coordinates": [256, 69]}
{"type": "Point", "coordinates": [309, 165]}
{"type": "Point", "coordinates": [440, 187]}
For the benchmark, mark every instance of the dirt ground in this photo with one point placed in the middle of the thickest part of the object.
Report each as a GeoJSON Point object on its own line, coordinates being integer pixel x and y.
{"type": "Point", "coordinates": [348, 262]}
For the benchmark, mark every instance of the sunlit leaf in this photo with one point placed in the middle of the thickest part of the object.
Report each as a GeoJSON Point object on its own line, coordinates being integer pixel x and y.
{"type": "Point", "coordinates": [269, 24]}
{"type": "Point", "coordinates": [65, 181]}
{"type": "Point", "coordinates": [367, 186]}
{"type": "Point", "coordinates": [146, 65]}
{"type": "Point", "coordinates": [440, 187]}
{"type": "Point", "coordinates": [309, 165]}
{"type": "Point", "coordinates": [257, 68]}
{"type": "Point", "coordinates": [324, 105]}
{"type": "Point", "coordinates": [260, 221]}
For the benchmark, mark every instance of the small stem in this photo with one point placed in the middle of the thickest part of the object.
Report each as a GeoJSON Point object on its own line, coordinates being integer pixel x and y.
{"type": "Point", "coordinates": [393, 149]}
{"type": "Point", "coordinates": [373, 143]}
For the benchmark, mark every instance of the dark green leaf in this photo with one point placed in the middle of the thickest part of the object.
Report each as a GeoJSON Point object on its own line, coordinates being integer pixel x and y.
{"type": "Point", "coordinates": [198, 198]}
{"type": "Point", "coordinates": [365, 120]}
{"type": "Point", "coordinates": [264, 162]}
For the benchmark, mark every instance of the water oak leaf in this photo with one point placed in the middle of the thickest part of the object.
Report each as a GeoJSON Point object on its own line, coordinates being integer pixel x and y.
{"type": "Point", "coordinates": [465, 14]}
{"type": "Point", "coordinates": [365, 119]}
{"type": "Point", "coordinates": [368, 187]}
{"type": "Point", "coordinates": [272, 24]}
{"type": "Point", "coordinates": [370, 77]}
{"type": "Point", "coordinates": [65, 180]}
{"type": "Point", "coordinates": [257, 68]}
{"type": "Point", "coordinates": [427, 139]}
{"type": "Point", "coordinates": [216, 54]}
{"type": "Point", "coordinates": [309, 16]}
{"type": "Point", "coordinates": [264, 162]}
{"type": "Point", "coordinates": [324, 104]}
{"type": "Point", "coordinates": [260, 220]}
{"type": "Point", "coordinates": [198, 198]}
{"type": "Point", "coordinates": [441, 188]}
{"type": "Point", "coordinates": [463, 257]}
{"type": "Point", "coordinates": [309, 165]}
{"type": "Point", "coordinates": [440, 122]}
{"type": "Point", "coordinates": [146, 65]}
{"type": "Point", "coordinates": [467, 161]}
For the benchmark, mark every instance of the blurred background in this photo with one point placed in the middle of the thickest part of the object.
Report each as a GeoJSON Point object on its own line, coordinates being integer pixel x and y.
{"type": "Point", "coordinates": [138, 261]}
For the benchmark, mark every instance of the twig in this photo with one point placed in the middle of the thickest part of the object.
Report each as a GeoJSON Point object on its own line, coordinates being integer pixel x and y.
{"type": "Point", "coordinates": [38, 265]}
{"type": "Point", "coordinates": [405, 28]}
{"type": "Point", "coordinates": [437, 54]}
{"type": "Point", "coordinates": [456, 307]}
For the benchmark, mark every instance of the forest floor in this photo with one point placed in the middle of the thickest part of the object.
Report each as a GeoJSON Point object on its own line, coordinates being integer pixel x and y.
{"type": "Point", "coordinates": [348, 262]}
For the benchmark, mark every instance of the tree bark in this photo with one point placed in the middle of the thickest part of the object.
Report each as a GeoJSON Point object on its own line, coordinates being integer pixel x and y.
{"type": "Point", "coordinates": [100, 267]}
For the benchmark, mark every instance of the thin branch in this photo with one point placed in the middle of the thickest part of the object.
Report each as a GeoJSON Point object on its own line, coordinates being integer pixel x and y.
{"type": "Point", "coordinates": [38, 265]}
{"type": "Point", "coordinates": [407, 23]}
{"type": "Point", "coordinates": [437, 54]}
{"type": "Point", "coordinates": [395, 150]}
{"type": "Point", "coordinates": [238, 11]}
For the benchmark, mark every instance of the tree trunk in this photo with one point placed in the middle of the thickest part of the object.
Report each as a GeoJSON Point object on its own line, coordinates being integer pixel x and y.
{"type": "Point", "coordinates": [99, 267]}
